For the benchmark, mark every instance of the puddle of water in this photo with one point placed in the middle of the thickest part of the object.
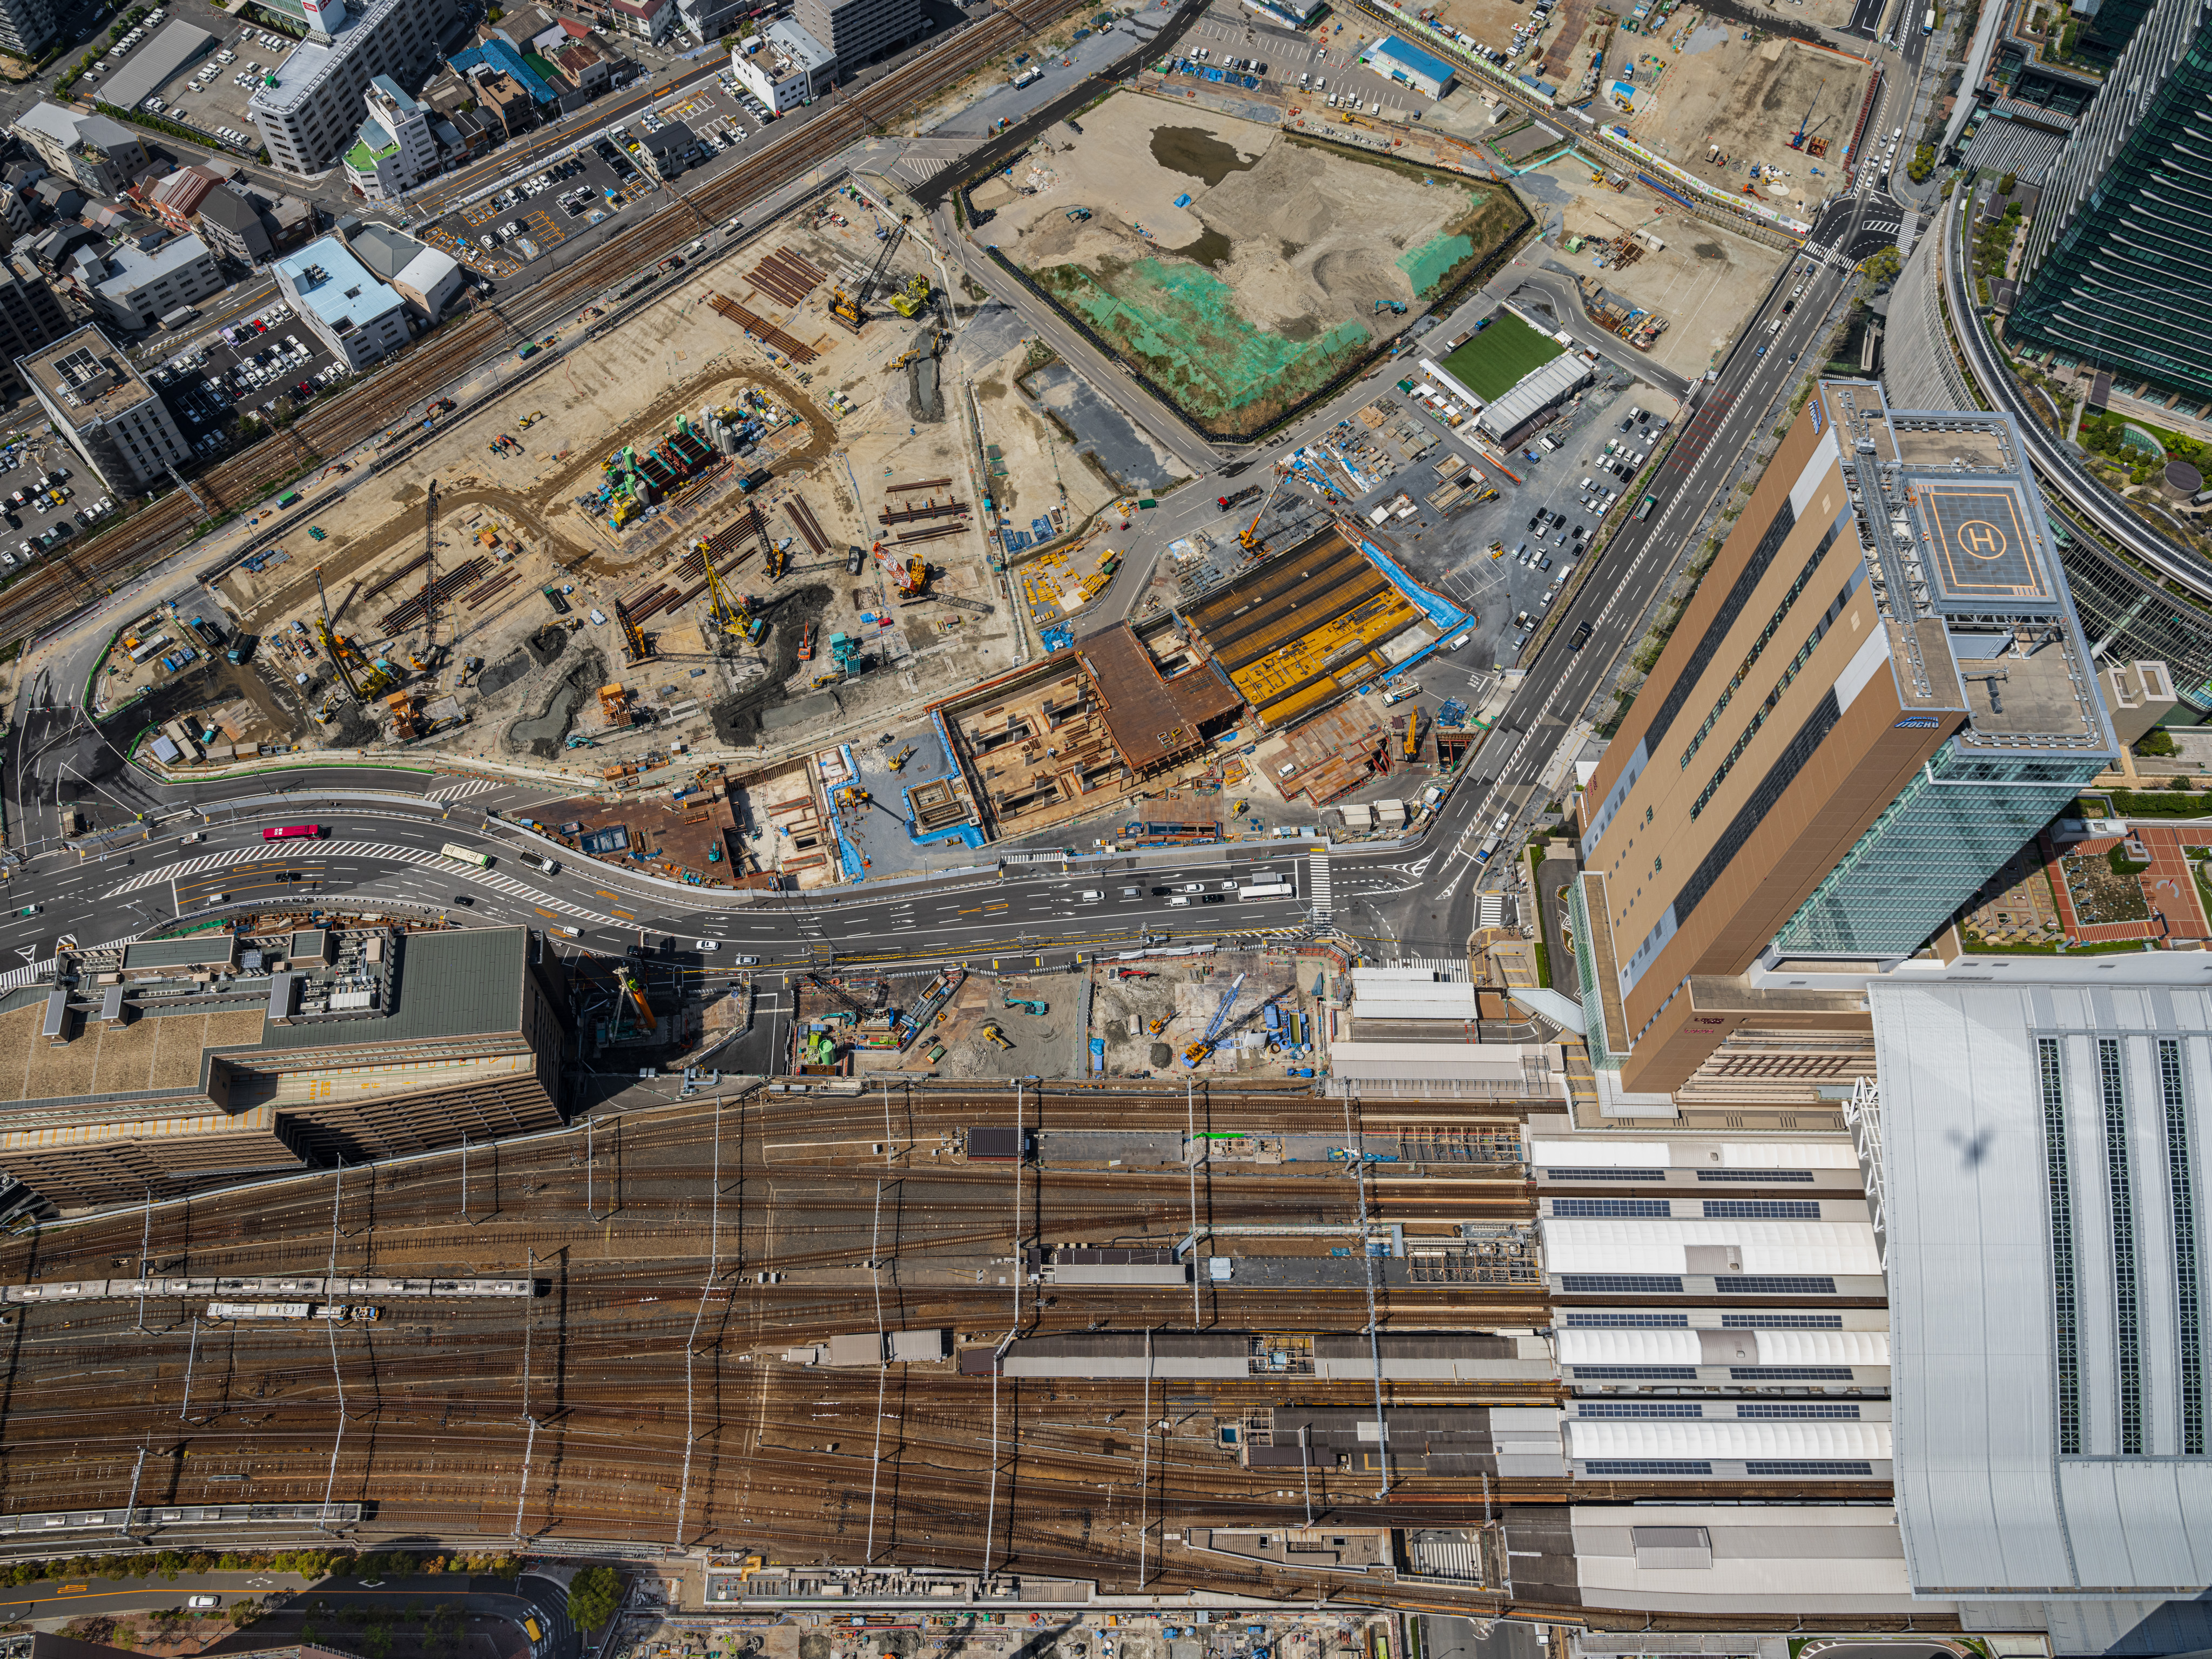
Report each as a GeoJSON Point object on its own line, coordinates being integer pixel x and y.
{"type": "Point", "coordinates": [1195, 151]}
{"type": "Point", "coordinates": [1210, 250]}
{"type": "Point", "coordinates": [1100, 429]}
{"type": "Point", "coordinates": [1705, 37]}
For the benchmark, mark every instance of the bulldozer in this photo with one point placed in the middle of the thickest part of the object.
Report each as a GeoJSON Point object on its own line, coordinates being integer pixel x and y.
{"type": "Point", "coordinates": [844, 309]}
{"type": "Point", "coordinates": [992, 1031]}
{"type": "Point", "coordinates": [899, 761]}
{"type": "Point", "coordinates": [1153, 1028]}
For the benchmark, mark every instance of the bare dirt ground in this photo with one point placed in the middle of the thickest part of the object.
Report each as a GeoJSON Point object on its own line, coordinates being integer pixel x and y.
{"type": "Point", "coordinates": [1747, 99]}
{"type": "Point", "coordinates": [1705, 281]}
{"type": "Point", "coordinates": [1266, 279]}
{"type": "Point", "coordinates": [846, 428]}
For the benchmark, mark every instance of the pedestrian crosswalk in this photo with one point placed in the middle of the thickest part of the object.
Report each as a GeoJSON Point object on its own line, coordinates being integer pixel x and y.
{"type": "Point", "coordinates": [1317, 894]}
{"type": "Point", "coordinates": [304, 848]}
{"type": "Point", "coordinates": [1444, 967]}
{"type": "Point", "coordinates": [461, 788]}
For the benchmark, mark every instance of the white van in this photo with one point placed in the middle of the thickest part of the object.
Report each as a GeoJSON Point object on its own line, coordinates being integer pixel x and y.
{"type": "Point", "coordinates": [1091, 896]}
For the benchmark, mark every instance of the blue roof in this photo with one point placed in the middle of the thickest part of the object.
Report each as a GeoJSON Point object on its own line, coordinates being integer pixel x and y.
{"type": "Point", "coordinates": [508, 62]}
{"type": "Point", "coordinates": [347, 292]}
{"type": "Point", "coordinates": [1414, 57]}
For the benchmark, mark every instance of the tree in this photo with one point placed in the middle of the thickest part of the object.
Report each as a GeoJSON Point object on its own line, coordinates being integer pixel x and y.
{"type": "Point", "coordinates": [594, 1595]}
{"type": "Point", "coordinates": [1883, 265]}
{"type": "Point", "coordinates": [2156, 741]}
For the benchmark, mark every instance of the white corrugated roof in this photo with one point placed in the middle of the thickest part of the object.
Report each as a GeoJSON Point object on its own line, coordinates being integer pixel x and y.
{"type": "Point", "coordinates": [1600, 1154]}
{"type": "Point", "coordinates": [1659, 1246]}
{"type": "Point", "coordinates": [1820, 1440]}
{"type": "Point", "coordinates": [1629, 1347]}
{"type": "Point", "coordinates": [1823, 1347]}
{"type": "Point", "coordinates": [1835, 1154]}
{"type": "Point", "coordinates": [1491, 1062]}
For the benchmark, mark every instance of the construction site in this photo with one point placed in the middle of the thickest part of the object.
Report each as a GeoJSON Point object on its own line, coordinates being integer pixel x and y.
{"type": "Point", "coordinates": [1674, 287]}
{"type": "Point", "coordinates": [707, 526]}
{"type": "Point", "coordinates": [1241, 268]}
{"type": "Point", "coordinates": [1766, 117]}
{"type": "Point", "coordinates": [1252, 1012]}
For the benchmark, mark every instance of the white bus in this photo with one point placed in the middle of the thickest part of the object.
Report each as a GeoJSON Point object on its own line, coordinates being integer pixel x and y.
{"type": "Point", "coordinates": [462, 855]}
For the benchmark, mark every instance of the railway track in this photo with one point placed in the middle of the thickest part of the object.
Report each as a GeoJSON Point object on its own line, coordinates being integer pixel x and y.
{"type": "Point", "coordinates": [58, 588]}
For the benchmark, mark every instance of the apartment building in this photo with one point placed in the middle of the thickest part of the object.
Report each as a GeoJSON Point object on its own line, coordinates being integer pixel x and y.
{"type": "Point", "coordinates": [857, 32]}
{"type": "Point", "coordinates": [310, 113]}
{"type": "Point", "coordinates": [30, 317]}
{"type": "Point", "coordinates": [1878, 695]}
{"type": "Point", "coordinates": [27, 26]}
{"type": "Point", "coordinates": [395, 150]}
{"type": "Point", "coordinates": [100, 155]}
{"type": "Point", "coordinates": [108, 414]}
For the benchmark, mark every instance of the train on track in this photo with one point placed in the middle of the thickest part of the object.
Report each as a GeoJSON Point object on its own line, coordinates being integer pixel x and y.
{"type": "Point", "coordinates": [286, 1291]}
{"type": "Point", "coordinates": [147, 1518]}
{"type": "Point", "coordinates": [337, 1312]}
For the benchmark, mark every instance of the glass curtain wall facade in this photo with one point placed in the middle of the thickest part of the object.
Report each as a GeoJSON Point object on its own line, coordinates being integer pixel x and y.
{"type": "Point", "coordinates": [2115, 271]}
{"type": "Point", "coordinates": [1962, 818]}
{"type": "Point", "coordinates": [2127, 615]}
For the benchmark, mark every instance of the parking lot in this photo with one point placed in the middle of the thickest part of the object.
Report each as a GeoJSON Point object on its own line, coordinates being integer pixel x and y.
{"type": "Point", "coordinates": [211, 92]}
{"type": "Point", "coordinates": [591, 183]}
{"type": "Point", "coordinates": [246, 367]}
{"type": "Point", "coordinates": [40, 500]}
{"type": "Point", "coordinates": [1507, 560]}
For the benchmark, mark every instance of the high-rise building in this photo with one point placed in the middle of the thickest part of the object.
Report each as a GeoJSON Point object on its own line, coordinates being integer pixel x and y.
{"type": "Point", "coordinates": [1878, 694]}
{"type": "Point", "coordinates": [858, 31]}
{"type": "Point", "coordinates": [2114, 271]}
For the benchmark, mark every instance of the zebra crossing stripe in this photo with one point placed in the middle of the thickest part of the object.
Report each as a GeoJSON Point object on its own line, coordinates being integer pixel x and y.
{"type": "Point", "coordinates": [461, 789]}
{"type": "Point", "coordinates": [1317, 885]}
{"type": "Point", "coordinates": [300, 848]}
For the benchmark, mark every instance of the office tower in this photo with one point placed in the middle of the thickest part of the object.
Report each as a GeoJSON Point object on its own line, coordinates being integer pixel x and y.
{"type": "Point", "coordinates": [1878, 695]}
{"type": "Point", "coordinates": [2114, 272]}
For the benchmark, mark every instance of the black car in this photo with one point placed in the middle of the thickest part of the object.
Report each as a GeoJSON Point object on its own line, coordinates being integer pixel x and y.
{"type": "Point", "coordinates": [1210, 898]}
{"type": "Point", "coordinates": [463, 898]}
{"type": "Point", "coordinates": [1535, 519]}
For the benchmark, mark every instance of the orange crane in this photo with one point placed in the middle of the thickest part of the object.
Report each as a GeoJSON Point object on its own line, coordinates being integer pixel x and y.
{"type": "Point", "coordinates": [637, 995]}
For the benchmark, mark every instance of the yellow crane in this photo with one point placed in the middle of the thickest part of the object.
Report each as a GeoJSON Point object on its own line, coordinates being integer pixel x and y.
{"type": "Point", "coordinates": [330, 642]}
{"type": "Point", "coordinates": [1248, 536]}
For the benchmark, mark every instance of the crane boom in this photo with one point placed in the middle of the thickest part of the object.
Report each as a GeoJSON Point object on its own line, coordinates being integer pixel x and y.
{"type": "Point", "coordinates": [331, 643]}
